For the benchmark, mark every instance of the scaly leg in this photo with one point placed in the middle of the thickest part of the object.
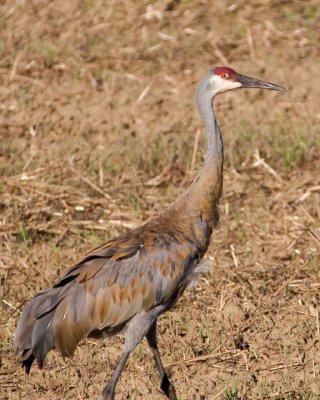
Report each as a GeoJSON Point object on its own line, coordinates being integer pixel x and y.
{"type": "Point", "coordinates": [108, 391]}
{"type": "Point", "coordinates": [136, 330]}
{"type": "Point", "coordinates": [165, 385]}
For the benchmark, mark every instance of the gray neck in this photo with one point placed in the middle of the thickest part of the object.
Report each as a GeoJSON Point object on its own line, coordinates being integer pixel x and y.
{"type": "Point", "coordinates": [202, 197]}
{"type": "Point", "coordinates": [214, 140]}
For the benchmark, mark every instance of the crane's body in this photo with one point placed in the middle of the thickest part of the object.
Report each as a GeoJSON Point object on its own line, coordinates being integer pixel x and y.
{"type": "Point", "coordinates": [124, 285]}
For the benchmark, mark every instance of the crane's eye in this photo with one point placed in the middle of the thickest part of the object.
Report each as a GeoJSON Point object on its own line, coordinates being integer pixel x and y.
{"type": "Point", "coordinates": [225, 73]}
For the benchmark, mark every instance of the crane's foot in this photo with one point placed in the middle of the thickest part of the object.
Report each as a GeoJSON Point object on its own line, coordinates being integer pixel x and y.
{"type": "Point", "coordinates": [168, 388]}
{"type": "Point", "coordinates": [108, 393]}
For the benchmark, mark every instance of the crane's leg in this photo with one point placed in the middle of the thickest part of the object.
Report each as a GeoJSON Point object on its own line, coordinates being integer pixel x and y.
{"type": "Point", "coordinates": [165, 385]}
{"type": "Point", "coordinates": [108, 391]}
{"type": "Point", "coordinates": [137, 329]}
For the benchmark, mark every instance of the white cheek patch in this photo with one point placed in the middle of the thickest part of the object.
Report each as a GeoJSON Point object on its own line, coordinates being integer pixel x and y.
{"type": "Point", "coordinates": [222, 85]}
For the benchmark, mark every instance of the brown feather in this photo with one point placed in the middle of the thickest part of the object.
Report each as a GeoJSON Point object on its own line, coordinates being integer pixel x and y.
{"type": "Point", "coordinates": [109, 287]}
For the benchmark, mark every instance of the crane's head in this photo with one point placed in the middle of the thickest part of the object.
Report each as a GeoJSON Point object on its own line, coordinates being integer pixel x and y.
{"type": "Point", "coordinates": [223, 79]}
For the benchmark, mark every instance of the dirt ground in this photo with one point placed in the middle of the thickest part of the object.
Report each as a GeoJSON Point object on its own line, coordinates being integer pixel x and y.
{"type": "Point", "coordinates": [99, 132]}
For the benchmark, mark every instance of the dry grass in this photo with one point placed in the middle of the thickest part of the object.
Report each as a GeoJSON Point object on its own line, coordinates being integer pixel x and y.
{"type": "Point", "coordinates": [98, 128]}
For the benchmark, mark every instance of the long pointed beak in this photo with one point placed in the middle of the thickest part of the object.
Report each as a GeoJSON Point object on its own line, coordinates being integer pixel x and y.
{"type": "Point", "coordinates": [247, 82]}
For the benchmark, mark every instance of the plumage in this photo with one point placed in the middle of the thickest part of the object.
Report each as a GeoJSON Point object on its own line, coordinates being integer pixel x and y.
{"type": "Point", "coordinates": [125, 284]}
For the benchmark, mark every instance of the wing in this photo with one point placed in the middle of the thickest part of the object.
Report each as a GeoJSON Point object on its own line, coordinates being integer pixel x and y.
{"type": "Point", "coordinates": [134, 273]}
{"type": "Point", "coordinates": [129, 275]}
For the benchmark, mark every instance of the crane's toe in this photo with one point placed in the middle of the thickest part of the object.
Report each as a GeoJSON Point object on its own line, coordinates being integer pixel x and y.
{"type": "Point", "coordinates": [108, 393]}
{"type": "Point", "coordinates": [168, 388]}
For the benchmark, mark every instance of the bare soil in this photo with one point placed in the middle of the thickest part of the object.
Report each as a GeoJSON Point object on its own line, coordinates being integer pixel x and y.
{"type": "Point", "coordinates": [99, 132]}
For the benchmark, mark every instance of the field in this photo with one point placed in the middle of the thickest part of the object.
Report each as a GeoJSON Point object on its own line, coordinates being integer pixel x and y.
{"type": "Point", "coordinates": [99, 132]}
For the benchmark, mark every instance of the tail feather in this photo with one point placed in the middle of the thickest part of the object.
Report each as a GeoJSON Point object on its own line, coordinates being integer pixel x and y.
{"type": "Point", "coordinates": [34, 336]}
{"type": "Point", "coordinates": [27, 359]}
{"type": "Point", "coordinates": [63, 328]}
{"type": "Point", "coordinates": [42, 338]}
{"type": "Point", "coordinates": [56, 318]}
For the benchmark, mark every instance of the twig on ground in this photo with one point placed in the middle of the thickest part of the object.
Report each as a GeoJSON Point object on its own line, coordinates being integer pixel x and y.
{"type": "Point", "coordinates": [14, 67]}
{"type": "Point", "coordinates": [235, 261]}
{"type": "Point", "coordinates": [143, 94]}
{"type": "Point", "coordinates": [276, 368]}
{"type": "Point", "coordinates": [261, 162]}
{"type": "Point", "coordinates": [204, 358]}
{"type": "Point", "coordinates": [221, 391]}
{"type": "Point", "coordinates": [91, 184]}
{"type": "Point", "coordinates": [307, 193]}
{"type": "Point", "coordinates": [285, 284]}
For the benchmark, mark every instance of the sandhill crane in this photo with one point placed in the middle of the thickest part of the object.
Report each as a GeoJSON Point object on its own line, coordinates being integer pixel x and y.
{"type": "Point", "coordinates": [125, 284]}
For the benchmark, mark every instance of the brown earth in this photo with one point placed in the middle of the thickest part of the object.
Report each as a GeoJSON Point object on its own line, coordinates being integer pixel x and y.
{"type": "Point", "coordinates": [98, 132]}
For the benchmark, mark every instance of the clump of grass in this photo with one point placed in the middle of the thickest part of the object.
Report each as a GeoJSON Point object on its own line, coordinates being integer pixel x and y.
{"type": "Point", "coordinates": [150, 156]}
{"type": "Point", "coordinates": [23, 234]}
{"type": "Point", "coordinates": [159, 152]}
{"type": "Point", "coordinates": [50, 53]}
{"type": "Point", "coordinates": [28, 236]}
{"type": "Point", "coordinates": [92, 44]}
{"type": "Point", "coordinates": [240, 144]}
{"type": "Point", "coordinates": [108, 166]}
{"type": "Point", "coordinates": [263, 390]}
{"type": "Point", "coordinates": [231, 393]}
{"type": "Point", "coordinates": [92, 238]}
{"type": "Point", "coordinates": [291, 147]}
{"type": "Point", "coordinates": [136, 202]}
{"type": "Point", "coordinates": [240, 231]}
{"type": "Point", "coordinates": [310, 12]}
{"type": "Point", "coordinates": [285, 147]}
